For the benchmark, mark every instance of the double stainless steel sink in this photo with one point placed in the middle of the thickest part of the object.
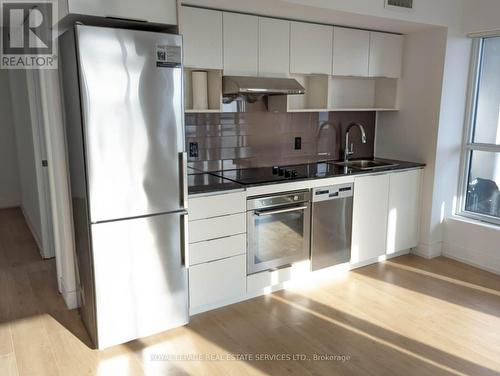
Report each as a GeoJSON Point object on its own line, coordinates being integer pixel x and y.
{"type": "Point", "coordinates": [366, 164]}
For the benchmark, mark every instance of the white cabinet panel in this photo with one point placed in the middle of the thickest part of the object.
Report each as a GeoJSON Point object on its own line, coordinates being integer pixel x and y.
{"type": "Point", "coordinates": [404, 210]}
{"type": "Point", "coordinates": [217, 249]}
{"type": "Point", "coordinates": [202, 34]}
{"type": "Point", "coordinates": [217, 205]}
{"type": "Point", "coordinates": [274, 47]}
{"type": "Point", "coordinates": [241, 40]}
{"type": "Point", "coordinates": [310, 48]}
{"type": "Point", "coordinates": [218, 227]}
{"type": "Point", "coordinates": [369, 218]}
{"type": "Point", "coordinates": [386, 53]}
{"type": "Point", "coordinates": [159, 11]}
{"type": "Point", "coordinates": [350, 52]}
{"type": "Point", "coordinates": [217, 281]}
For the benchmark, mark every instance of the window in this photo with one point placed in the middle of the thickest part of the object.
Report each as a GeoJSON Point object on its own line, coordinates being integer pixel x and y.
{"type": "Point", "coordinates": [481, 180]}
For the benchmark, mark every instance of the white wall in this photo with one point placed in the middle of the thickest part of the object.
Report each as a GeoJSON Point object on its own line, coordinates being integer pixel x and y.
{"type": "Point", "coordinates": [9, 177]}
{"type": "Point", "coordinates": [468, 241]}
{"type": "Point", "coordinates": [412, 133]}
{"type": "Point", "coordinates": [26, 157]}
{"type": "Point", "coordinates": [432, 12]}
{"type": "Point", "coordinates": [482, 15]}
{"type": "Point", "coordinates": [472, 242]}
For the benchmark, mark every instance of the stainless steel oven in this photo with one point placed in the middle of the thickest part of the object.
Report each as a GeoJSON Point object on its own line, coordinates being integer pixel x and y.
{"type": "Point", "coordinates": [278, 230]}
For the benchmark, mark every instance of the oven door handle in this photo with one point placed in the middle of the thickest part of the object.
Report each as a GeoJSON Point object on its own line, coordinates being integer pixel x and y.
{"type": "Point", "coordinates": [271, 212]}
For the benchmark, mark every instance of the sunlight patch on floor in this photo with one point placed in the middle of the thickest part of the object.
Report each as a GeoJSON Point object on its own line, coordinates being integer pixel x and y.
{"type": "Point", "coordinates": [444, 278]}
{"type": "Point", "coordinates": [366, 335]}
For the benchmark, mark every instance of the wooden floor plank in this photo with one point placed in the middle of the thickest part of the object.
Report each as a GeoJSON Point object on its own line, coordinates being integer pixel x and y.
{"type": "Point", "coordinates": [8, 365]}
{"type": "Point", "coordinates": [406, 316]}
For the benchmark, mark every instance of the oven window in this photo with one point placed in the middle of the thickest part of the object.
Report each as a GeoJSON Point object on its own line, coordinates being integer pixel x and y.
{"type": "Point", "coordinates": [278, 237]}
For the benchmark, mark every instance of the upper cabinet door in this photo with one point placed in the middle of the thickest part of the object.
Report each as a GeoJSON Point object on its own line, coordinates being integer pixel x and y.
{"type": "Point", "coordinates": [310, 48]}
{"type": "Point", "coordinates": [241, 44]}
{"type": "Point", "coordinates": [351, 48]}
{"type": "Point", "coordinates": [274, 47]}
{"type": "Point", "coordinates": [158, 11]}
{"type": "Point", "coordinates": [386, 54]}
{"type": "Point", "coordinates": [202, 33]}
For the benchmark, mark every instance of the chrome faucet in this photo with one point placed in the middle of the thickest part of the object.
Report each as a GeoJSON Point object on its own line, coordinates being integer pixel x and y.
{"type": "Point", "coordinates": [349, 147]}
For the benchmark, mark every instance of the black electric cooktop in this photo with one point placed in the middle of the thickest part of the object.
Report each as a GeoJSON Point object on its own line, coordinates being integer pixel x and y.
{"type": "Point", "coordinates": [261, 175]}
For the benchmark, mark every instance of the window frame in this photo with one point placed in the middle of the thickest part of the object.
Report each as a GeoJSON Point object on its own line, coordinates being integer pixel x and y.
{"type": "Point", "coordinates": [468, 145]}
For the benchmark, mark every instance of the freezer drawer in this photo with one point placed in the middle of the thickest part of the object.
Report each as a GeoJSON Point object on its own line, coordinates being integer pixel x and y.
{"type": "Point", "coordinates": [141, 283]}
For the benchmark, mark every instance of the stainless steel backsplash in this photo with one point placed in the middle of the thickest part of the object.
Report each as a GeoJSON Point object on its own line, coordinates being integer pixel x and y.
{"type": "Point", "coordinates": [257, 139]}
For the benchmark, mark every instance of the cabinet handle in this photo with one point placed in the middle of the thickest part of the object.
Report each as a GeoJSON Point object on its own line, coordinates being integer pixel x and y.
{"type": "Point", "coordinates": [121, 18]}
{"type": "Point", "coordinates": [184, 239]}
{"type": "Point", "coordinates": [271, 212]}
{"type": "Point", "coordinates": [182, 179]}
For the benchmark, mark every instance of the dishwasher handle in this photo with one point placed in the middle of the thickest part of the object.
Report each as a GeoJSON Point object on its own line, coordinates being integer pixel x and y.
{"type": "Point", "coordinates": [279, 211]}
{"type": "Point", "coordinates": [333, 192]}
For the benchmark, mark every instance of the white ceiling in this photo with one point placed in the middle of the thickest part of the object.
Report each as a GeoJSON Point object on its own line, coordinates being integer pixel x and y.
{"type": "Point", "coordinates": [369, 14]}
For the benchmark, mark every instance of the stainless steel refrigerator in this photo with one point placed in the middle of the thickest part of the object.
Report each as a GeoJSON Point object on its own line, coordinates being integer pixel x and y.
{"type": "Point", "coordinates": [124, 125]}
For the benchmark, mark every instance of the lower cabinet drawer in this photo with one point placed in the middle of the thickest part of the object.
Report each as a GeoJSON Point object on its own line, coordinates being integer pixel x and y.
{"type": "Point", "coordinates": [217, 281]}
{"type": "Point", "coordinates": [218, 227]}
{"type": "Point", "coordinates": [217, 249]}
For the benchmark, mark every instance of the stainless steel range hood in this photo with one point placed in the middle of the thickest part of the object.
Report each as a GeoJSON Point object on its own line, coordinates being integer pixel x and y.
{"type": "Point", "coordinates": [251, 88]}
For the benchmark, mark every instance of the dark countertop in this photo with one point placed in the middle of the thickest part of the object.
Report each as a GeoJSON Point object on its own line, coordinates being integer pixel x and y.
{"type": "Point", "coordinates": [207, 182]}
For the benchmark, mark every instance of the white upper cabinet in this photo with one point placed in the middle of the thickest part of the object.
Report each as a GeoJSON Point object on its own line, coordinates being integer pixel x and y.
{"type": "Point", "coordinates": [351, 49]}
{"type": "Point", "coordinates": [158, 11]}
{"type": "Point", "coordinates": [274, 47]}
{"type": "Point", "coordinates": [386, 53]}
{"type": "Point", "coordinates": [369, 217]}
{"type": "Point", "coordinates": [202, 33]}
{"type": "Point", "coordinates": [404, 210]}
{"type": "Point", "coordinates": [241, 44]}
{"type": "Point", "coordinates": [310, 48]}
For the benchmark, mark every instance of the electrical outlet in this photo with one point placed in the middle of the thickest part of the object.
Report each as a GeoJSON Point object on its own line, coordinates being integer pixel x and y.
{"type": "Point", "coordinates": [193, 150]}
{"type": "Point", "coordinates": [298, 143]}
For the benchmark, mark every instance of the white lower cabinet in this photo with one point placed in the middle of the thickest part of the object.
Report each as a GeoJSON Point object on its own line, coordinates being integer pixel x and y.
{"type": "Point", "coordinates": [217, 253]}
{"type": "Point", "coordinates": [217, 227]}
{"type": "Point", "coordinates": [369, 217]}
{"type": "Point", "coordinates": [404, 210]}
{"type": "Point", "coordinates": [217, 281]}
{"type": "Point", "coordinates": [386, 214]}
{"type": "Point", "coordinates": [217, 249]}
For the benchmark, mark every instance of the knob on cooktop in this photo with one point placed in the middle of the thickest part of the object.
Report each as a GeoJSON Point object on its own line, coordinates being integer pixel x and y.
{"type": "Point", "coordinates": [291, 174]}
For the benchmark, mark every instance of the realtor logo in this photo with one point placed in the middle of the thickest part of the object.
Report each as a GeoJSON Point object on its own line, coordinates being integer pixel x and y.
{"type": "Point", "coordinates": [28, 35]}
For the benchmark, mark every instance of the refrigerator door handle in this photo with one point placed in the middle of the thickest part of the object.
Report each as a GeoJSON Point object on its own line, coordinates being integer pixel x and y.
{"type": "Point", "coordinates": [184, 239]}
{"type": "Point", "coordinates": [183, 179]}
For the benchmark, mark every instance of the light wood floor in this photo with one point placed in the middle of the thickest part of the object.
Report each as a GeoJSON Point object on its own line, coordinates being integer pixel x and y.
{"type": "Point", "coordinates": [409, 316]}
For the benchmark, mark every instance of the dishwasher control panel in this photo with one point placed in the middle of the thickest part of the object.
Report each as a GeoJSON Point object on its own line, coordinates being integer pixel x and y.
{"type": "Point", "coordinates": [333, 192]}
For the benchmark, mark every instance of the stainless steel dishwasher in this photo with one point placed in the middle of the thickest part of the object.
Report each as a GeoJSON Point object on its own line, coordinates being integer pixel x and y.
{"type": "Point", "coordinates": [331, 225]}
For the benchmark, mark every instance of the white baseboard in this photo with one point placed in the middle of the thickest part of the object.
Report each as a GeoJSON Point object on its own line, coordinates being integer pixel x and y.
{"type": "Point", "coordinates": [428, 251]}
{"type": "Point", "coordinates": [31, 228]}
{"type": "Point", "coordinates": [219, 304]}
{"type": "Point", "coordinates": [71, 299]}
{"type": "Point", "coordinates": [472, 258]}
{"type": "Point", "coordinates": [398, 254]}
{"type": "Point", "coordinates": [7, 204]}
